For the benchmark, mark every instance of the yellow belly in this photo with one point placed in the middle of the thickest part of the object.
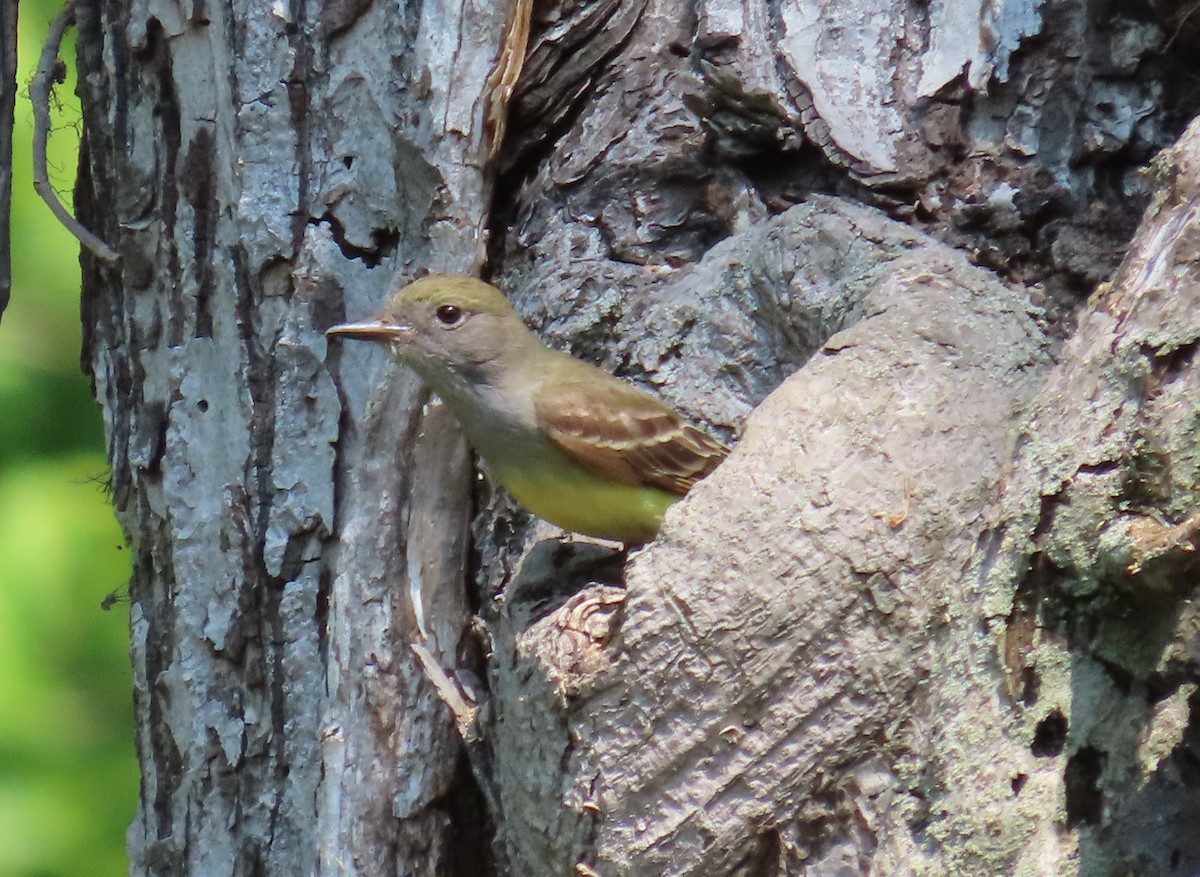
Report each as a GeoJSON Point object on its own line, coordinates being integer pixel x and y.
{"type": "Point", "coordinates": [572, 497]}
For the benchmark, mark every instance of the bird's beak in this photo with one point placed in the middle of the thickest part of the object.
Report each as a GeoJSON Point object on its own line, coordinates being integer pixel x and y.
{"type": "Point", "coordinates": [371, 330]}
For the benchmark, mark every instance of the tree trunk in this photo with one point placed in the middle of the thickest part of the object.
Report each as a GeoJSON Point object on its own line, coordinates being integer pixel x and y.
{"type": "Point", "coordinates": [931, 617]}
{"type": "Point", "coordinates": [265, 172]}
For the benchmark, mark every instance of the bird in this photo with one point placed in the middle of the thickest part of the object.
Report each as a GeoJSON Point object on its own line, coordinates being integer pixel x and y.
{"type": "Point", "coordinates": [571, 443]}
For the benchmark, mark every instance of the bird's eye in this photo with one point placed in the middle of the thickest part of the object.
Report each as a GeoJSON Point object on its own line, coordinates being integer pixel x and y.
{"type": "Point", "coordinates": [449, 315]}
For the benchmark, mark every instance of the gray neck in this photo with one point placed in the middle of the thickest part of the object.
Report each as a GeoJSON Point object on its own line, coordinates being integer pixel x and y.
{"type": "Point", "coordinates": [492, 400]}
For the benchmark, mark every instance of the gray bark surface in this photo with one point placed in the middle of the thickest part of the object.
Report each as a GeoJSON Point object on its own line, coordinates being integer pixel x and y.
{"type": "Point", "coordinates": [931, 617]}
{"type": "Point", "coordinates": [1100, 633]}
{"type": "Point", "coordinates": [265, 171]}
{"type": "Point", "coordinates": [802, 654]}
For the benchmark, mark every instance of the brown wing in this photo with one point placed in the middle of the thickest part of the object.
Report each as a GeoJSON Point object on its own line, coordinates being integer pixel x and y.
{"type": "Point", "coordinates": [625, 433]}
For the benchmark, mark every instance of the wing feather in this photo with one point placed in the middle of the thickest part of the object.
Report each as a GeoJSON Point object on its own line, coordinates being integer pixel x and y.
{"type": "Point", "coordinates": [625, 433]}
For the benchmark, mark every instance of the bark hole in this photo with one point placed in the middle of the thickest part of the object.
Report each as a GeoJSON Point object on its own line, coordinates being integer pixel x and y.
{"type": "Point", "coordinates": [1050, 736]}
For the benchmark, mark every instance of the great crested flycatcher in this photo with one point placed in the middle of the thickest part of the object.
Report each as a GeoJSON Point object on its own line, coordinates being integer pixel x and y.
{"type": "Point", "coordinates": [570, 442]}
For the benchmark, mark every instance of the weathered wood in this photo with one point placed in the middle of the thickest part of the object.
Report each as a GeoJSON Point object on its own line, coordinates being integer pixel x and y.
{"type": "Point", "coordinates": [266, 170]}
{"type": "Point", "coordinates": [804, 629]}
{"type": "Point", "coordinates": [1100, 630]}
{"type": "Point", "coordinates": [891, 635]}
{"type": "Point", "coordinates": [709, 115]}
{"type": "Point", "coordinates": [631, 244]}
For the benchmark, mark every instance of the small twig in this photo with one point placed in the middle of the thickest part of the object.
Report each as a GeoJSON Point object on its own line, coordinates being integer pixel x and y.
{"type": "Point", "coordinates": [8, 92]}
{"type": "Point", "coordinates": [39, 94]}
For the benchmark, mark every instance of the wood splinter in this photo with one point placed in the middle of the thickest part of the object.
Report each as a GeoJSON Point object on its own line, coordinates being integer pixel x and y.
{"type": "Point", "coordinates": [463, 705]}
{"type": "Point", "coordinates": [503, 81]}
{"type": "Point", "coordinates": [451, 692]}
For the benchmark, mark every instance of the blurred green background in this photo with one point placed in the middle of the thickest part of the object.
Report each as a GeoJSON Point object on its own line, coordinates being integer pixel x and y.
{"type": "Point", "coordinates": [68, 777]}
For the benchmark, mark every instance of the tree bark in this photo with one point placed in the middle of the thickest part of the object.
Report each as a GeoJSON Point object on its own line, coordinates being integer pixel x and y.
{"type": "Point", "coordinates": [931, 617]}
{"type": "Point", "coordinates": [266, 171]}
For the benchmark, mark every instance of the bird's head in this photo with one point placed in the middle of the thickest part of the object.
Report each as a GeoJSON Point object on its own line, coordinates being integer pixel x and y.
{"type": "Point", "coordinates": [443, 325]}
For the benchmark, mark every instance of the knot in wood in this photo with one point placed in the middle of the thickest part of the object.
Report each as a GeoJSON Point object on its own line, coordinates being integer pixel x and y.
{"type": "Point", "coordinates": [574, 640]}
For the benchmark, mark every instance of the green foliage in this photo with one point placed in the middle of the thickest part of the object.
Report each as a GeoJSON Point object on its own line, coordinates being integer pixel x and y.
{"type": "Point", "coordinates": [68, 777]}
